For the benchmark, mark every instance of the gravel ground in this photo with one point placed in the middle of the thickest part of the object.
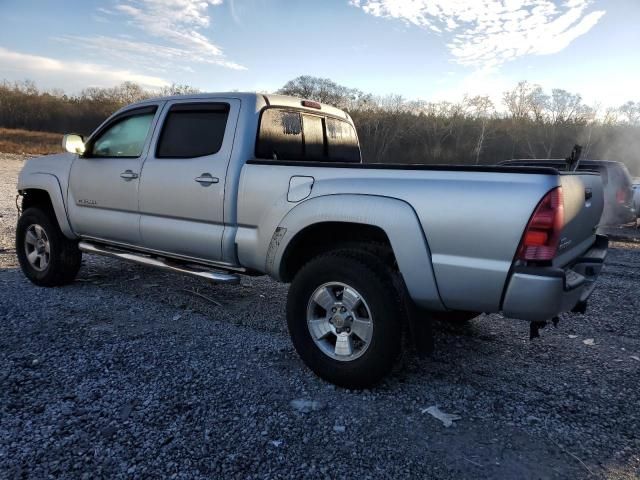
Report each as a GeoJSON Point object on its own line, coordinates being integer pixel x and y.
{"type": "Point", "coordinates": [624, 233]}
{"type": "Point", "coordinates": [128, 374]}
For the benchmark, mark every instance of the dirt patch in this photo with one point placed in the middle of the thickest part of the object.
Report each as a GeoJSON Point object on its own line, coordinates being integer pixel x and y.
{"type": "Point", "coordinates": [22, 142]}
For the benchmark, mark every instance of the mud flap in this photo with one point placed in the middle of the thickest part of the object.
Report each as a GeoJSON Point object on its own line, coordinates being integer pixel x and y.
{"type": "Point", "coordinates": [421, 330]}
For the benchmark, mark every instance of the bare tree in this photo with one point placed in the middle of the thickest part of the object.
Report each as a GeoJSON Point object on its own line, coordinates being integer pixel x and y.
{"type": "Point", "coordinates": [482, 110]}
{"type": "Point", "coordinates": [323, 90]}
{"type": "Point", "coordinates": [533, 124]}
{"type": "Point", "coordinates": [520, 100]}
{"type": "Point", "coordinates": [177, 89]}
{"type": "Point", "coordinates": [631, 112]}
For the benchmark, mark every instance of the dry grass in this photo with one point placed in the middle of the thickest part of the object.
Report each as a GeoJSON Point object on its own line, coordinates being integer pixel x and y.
{"type": "Point", "coordinates": [29, 142]}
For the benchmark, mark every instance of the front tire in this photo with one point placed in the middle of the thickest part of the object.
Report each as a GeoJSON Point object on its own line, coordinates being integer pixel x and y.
{"type": "Point", "coordinates": [345, 317]}
{"type": "Point", "coordinates": [46, 256]}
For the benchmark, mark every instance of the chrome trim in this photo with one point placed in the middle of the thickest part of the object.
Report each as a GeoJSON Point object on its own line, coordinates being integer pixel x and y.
{"type": "Point", "coordinates": [129, 175]}
{"type": "Point", "coordinates": [206, 179]}
{"type": "Point", "coordinates": [184, 258]}
{"type": "Point", "coordinates": [217, 277]}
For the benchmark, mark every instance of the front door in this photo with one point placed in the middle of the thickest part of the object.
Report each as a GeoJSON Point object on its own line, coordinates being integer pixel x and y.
{"type": "Point", "coordinates": [103, 183]}
{"type": "Point", "coordinates": [183, 178]}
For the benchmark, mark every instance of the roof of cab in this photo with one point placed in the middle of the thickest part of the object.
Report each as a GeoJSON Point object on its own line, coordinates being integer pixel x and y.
{"type": "Point", "coordinates": [267, 98]}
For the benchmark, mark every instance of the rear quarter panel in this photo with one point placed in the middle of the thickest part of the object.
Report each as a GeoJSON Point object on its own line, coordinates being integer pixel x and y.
{"type": "Point", "coordinates": [472, 221]}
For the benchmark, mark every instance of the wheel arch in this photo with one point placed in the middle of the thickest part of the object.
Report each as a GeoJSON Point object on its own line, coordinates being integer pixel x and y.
{"type": "Point", "coordinates": [44, 189]}
{"type": "Point", "coordinates": [322, 237]}
{"type": "Point", "coordinates": [348, 218]}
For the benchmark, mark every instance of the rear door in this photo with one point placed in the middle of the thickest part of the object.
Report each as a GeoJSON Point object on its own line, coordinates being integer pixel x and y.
{"type": "Point", "coordinates": [183, 178]}
{"type": "Point", "coordinates": [103, 183]}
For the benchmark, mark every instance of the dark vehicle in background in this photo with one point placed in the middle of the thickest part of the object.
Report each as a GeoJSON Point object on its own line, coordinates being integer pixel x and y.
{"type": "Point", "coordinates": [636, 196]}
{"type": "Point", "coordinates": [616, 180]}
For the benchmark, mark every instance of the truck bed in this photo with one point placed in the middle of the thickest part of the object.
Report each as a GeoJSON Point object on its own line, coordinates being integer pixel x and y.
{"type": "Point", "coordinates": [472, 217]}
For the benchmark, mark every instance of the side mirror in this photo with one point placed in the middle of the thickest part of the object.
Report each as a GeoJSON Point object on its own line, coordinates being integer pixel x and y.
{"type": "Point", "coordinates": [73, 143]}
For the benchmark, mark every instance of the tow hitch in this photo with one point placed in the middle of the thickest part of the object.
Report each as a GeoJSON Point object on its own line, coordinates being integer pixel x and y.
{"type": "Point", "coordinates": [537, 325]}
{"type": "Point", "coordinates": [581, 308]}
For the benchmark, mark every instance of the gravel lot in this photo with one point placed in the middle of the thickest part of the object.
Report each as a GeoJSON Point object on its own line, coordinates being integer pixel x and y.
{"type": "Point", "coordinates": [128, 374]}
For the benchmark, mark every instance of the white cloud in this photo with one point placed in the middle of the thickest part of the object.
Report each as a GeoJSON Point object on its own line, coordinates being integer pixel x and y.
{"type": "Point", "coordinates": [150, 56]}
{"type": "Point", "coordinates": [178, 24]}
{"type": "Point", "coordinates": [487, 33]}
{"type": "Point", "coordinates": [70, 73]}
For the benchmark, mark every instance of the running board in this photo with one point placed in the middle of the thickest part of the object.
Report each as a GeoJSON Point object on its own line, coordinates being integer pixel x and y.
{"type": "Point", "coordinates": [212, 276]}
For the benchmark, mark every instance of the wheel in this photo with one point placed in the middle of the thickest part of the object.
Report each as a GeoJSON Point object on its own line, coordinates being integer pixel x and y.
{"type": "Point", "coordinates": [345, 318]}
{"type": "Point", "coordinates": [46, 256]}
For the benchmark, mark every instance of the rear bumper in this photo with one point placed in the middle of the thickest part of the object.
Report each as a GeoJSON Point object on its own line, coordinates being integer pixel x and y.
{"type": "Point", "coordinates": [543, 293]}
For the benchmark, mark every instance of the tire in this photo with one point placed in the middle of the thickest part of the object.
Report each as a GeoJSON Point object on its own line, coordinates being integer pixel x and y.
{"type": "Point", "coordinates": [60, 265]}
{"type": "Point", "coordinates": [378, 315]}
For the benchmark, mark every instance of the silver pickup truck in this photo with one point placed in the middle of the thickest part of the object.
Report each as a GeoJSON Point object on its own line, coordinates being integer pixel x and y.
{"type": "Point", "coordinates": [222, 185]}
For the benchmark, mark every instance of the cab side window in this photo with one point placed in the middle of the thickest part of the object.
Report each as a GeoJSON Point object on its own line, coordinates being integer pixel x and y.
{"type": "Point", "coordinates": [125, 137]}
{"type": "Point", "coordinates": [193, 130]}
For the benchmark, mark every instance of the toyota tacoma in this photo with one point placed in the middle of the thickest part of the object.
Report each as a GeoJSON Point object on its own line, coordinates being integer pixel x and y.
{"type": "Point", "coordinates": [223, 185]}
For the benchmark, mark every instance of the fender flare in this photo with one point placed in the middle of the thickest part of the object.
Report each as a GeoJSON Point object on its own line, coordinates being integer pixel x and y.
{"type": "Point", "coordinates": [395, 217]}
{"type": "Point", "coordinates": [50, 184]}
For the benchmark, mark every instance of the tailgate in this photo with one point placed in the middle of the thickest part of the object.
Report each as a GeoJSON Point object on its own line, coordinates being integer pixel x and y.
{"type": "Point", "coordinates": [583, 203]}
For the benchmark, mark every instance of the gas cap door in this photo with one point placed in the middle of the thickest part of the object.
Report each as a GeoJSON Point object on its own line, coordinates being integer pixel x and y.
{"type": "Point", "coordinates": [299, 188]}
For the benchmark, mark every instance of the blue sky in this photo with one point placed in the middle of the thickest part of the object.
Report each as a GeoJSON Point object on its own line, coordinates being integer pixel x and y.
{"type": "Point", "coordinates": [429, 49]}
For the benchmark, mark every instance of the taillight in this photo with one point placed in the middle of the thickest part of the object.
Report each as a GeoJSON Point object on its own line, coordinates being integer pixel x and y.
{"type": "Point", "coordinates": [542, 235]}
{"type": "Point", "coordinates": [621, 196]}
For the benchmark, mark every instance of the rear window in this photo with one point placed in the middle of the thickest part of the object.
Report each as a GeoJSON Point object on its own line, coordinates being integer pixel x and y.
{"type": "Point", "coordinates": [294, 135]}
{"type": "Point", "coordinates": [342, 141]}
{"type": "Point", "coordinates": [280, 136]}
{"type": "Point", "coordinates": [193, 130]}
{"type": "Point", "coordinates": [314, 139]}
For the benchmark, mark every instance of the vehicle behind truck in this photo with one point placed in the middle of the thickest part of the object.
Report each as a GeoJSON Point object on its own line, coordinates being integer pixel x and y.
{"type": "Point", "coordinates": [223, 185]}
{"type": "Point", "coordinates": [618, 208]}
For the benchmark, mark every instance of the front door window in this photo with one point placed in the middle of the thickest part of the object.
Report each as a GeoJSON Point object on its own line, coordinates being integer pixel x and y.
{"type": "Point", "coordinates": [125, 138]}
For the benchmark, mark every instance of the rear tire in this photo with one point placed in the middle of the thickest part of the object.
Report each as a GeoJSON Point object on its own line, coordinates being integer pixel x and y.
{"type": "Point", "coordinates": [354, 353]}
{"type": "Point", "coordinates": [46, 256]}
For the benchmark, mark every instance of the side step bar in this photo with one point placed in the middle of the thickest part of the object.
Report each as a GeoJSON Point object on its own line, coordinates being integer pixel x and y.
{"type": "Point", "coordinates": [216, 277]}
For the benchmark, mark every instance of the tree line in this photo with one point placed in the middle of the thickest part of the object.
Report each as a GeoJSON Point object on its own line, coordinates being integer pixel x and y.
{"type": "Point", "coordinates": [529, 122]}
{"type": "Point", "coordinates": [24, 106]}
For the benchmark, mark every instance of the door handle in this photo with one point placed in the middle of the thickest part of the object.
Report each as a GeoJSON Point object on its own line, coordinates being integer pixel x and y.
{"type": "Point", "coordinates": [128, 175]}
{"type": "Point", "coordinates": [206, 179]}
{"type": "Point", "coordinates": [588, 194]}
